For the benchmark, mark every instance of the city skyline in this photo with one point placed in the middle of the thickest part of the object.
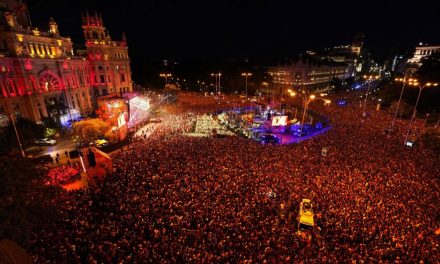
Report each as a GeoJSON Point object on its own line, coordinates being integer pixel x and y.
{"type": "Point", "coordinates": [261, 29]}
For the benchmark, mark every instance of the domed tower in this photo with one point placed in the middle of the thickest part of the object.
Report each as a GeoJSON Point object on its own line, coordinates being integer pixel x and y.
{"type": "Point", "coordinates": [53, 27]}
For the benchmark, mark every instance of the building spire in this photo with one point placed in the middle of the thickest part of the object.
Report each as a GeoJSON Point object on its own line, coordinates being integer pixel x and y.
{"type": "Point", "coordinates": [124, 39]}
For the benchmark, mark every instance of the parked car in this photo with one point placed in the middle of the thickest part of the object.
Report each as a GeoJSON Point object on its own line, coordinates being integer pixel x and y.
{"type": "Point", "coordinates": [45, 142]}
{"type": "Point", "coordinates": [44, 159]}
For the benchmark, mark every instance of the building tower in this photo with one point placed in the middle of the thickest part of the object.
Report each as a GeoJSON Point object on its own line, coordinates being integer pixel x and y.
{"type": "Point", "coordinates": [357, 44]}
{"type": "Point", "coordinates": [109, 62]}
{"type": "Point", "coordinates": [19, 8]}
{"type": "Point", "coordinates": [53, 27]}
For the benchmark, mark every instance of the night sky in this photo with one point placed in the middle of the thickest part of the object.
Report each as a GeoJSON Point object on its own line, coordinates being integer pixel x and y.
{"type": "Point", "coordinates": [249, 28]}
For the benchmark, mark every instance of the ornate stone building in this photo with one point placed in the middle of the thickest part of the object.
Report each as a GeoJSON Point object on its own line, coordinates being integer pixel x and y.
{"type": "Point", "coordinates": [305, 72]}
{"type": "Point", "coordinates": [42, 76]}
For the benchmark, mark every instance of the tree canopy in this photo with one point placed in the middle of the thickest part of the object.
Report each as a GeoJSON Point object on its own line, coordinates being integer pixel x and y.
{"type": "Point", "coordinates": [90, 129]}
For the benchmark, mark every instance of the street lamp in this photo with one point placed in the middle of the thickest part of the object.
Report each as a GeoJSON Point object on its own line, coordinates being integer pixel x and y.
{"type": "Point", "coordinates": [165, 75]}
{"type": "Point", "coordinates": [369, 78]}
{"type": "Point", "coordinates": [217, 84]}
{"type": "Point", "coordinates": [307, 100]}
{"type": "Point", "coordinates": [18, 138]}
{"type": "Point", "coordinates": [421, 87]}
{"type": "Point", "coordinates": [246, 75]}
{"type": "Point", "coordinates": [404, 81]}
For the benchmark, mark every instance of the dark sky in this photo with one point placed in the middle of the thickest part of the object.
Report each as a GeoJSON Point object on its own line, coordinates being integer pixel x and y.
{"type": "Point", "coordinates": [250, 28]}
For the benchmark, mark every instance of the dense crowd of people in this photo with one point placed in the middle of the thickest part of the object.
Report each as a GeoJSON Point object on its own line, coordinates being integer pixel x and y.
{"type": "Point", "coordinates": [183, 199]}
{"type": "Point", "coordinates": [63, 175]}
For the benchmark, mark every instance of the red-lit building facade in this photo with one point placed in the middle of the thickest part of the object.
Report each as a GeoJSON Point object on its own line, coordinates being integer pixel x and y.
{"type": "Point", "coordinates": [42, 76]}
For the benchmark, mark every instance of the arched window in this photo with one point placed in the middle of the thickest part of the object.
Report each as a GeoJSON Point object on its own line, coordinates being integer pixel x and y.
{"type": "Point", "coordinates": [50, 82]}
{"type": "Point", "coordinates": [10, 87]}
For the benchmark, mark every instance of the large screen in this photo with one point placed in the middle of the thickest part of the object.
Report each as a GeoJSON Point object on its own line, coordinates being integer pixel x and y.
{"type": "Point", "coordinates": [279, 120]}
{"type": "Point", "coordinates": [139, 110]}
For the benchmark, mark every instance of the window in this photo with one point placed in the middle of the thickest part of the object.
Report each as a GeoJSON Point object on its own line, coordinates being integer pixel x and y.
{"type": "Point", "coordinates": [33, 84]}
{"type": "Point", "coordinates": [122, 78]}
{"type": "Point", "coordinates": [10, 86]}
{"type": "Point", "coordinates": [102, 79]}
{"type": "Point", "coordinates": [100, 68]}
{"type": "Point", "coordinates": [95, 35]}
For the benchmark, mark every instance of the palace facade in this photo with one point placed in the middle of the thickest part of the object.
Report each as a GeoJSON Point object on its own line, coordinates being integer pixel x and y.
{"type": "Point", "coordinates": [42, 76]}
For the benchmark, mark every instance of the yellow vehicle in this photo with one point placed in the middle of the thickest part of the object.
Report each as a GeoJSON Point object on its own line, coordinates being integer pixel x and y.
{"type": "Point", "coordinates": [306, 222]}
{"type": "Point", "coordinates": [101, 143]}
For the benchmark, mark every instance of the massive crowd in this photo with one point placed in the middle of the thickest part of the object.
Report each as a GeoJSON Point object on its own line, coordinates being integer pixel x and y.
{"type": "Point", "coordinates": [177, 199]}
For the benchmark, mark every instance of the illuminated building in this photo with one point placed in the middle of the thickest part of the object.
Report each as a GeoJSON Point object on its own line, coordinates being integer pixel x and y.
{"type": "Point", "coordinates": [304, 73]}
{"type": "Point", "coordinates": [42, 76]}
{"type": "Point", "coordinates": [352, 54]}
{"type": "Point", "coordinates": [422, 51]}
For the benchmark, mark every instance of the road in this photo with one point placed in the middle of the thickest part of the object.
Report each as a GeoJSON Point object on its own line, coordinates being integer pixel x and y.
{"type": "Point", "coordinates": [62, 145]}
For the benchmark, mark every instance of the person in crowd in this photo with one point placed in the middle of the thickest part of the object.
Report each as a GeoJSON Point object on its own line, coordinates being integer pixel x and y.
{"type": "Point", "coordinates": [179, 199]}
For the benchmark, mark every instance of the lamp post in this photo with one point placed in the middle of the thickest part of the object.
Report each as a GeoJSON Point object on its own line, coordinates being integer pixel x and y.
{"type": "Point", "coordinates": [421, 87]}
{"type": "Point", "coordinates": [246, 75]}
{"type": "Point", "coordinates": [404, 82]}
{"type": "Point", "coordinates": [307, 100]}
{"type": "Point", "coordinates": [165, 75]}
{"type": "Point", "coordinates": [18, 138]}
{"type": "Point", "coordinates": [217, 83]}
{"type": "Point", "coordinates": [215, 87]}
{"type": "Point", "coordinates": [369, 78]}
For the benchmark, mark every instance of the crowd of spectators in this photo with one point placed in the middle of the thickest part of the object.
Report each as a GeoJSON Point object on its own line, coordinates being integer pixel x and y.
{"type": "Point", "coordinates": [63, 175]}
{"type": "Point", "coordinates": [177, 199]}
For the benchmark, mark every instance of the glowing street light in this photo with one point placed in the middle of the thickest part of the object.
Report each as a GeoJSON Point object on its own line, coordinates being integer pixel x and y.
{"type": "Point", "coordinates": [166, 76]}
{"type": "Point", "coordinates": [246, 75]}
{"type": "Point", "coordinates": [307, 100]}
{"type": "Point", "coordinates": [416, 83]}
{"type": "Point", "coordinates": [368, 77]}
{"type": "Point", "coordinates": [404, 81]}
{"type": "Point", "coordinates": [217, 83]}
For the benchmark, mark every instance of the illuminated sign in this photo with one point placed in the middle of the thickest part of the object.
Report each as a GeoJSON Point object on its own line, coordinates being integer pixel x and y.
{"type": "Point", "coordinates": [141, 103]}
{"type": "Point", "coordinates": [279, 120]}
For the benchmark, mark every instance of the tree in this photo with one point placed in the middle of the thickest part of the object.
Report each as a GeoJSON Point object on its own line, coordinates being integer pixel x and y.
{"type": "Point", "coordinates": [405, 110]}
{"type": "Point", "coordinates": [27, 130]}
{"type": "Point", "coordinates": [336, 84]}
{"type": "Point", "coordinates": [90, 129]}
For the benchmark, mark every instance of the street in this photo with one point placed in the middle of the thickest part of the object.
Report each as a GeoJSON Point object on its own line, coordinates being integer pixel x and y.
{"type": "Point", "coordinates": [63, 144]}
